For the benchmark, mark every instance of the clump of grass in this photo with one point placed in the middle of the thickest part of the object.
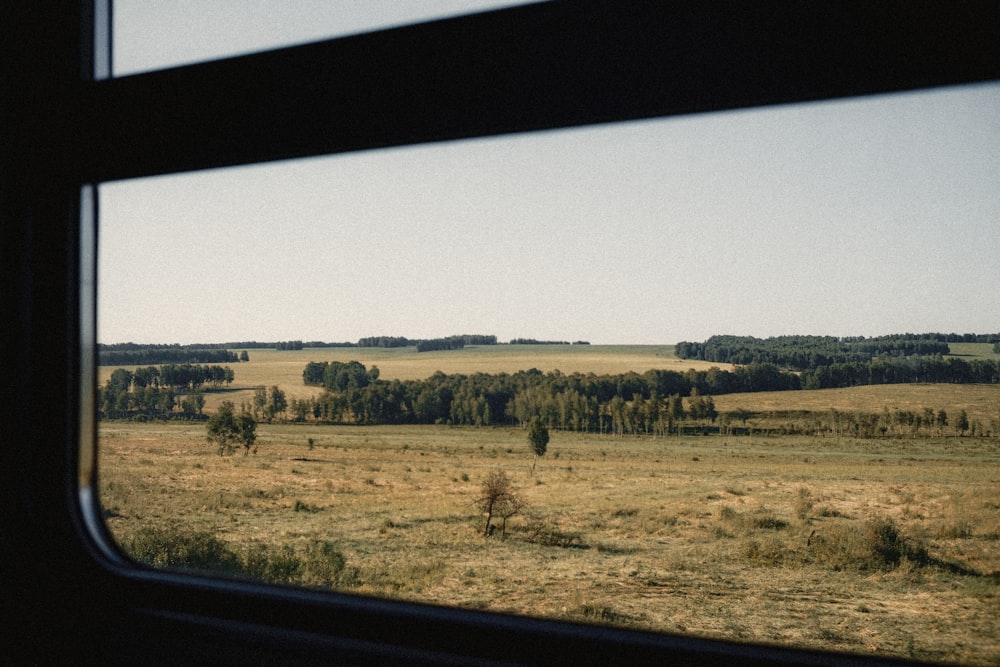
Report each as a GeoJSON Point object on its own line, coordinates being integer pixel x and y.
{"type": "Point", "coordinates": [770, 552]}
{"type": "Point", "coordinates": [877, 546]}
{"type": "Point", "coordinates": [615, 549]}
{"type": "Point", "coordinates": [960, 530]}
{"type": "Point", "coordinates": [323, 565]}
{"type": "Point", "coordinates": [803, 503]}
{"type": "Point", "coordinates": [389, 524]}
{"type": "Point", "coordinates": [547, 535]}
{"type": "Point", "coordinates": [170, 548]}
{"type": "Point", "coordinates": [768, 522]}
{"type": "Point", "coordinates": [602, 614]}
{"type": "Point", "coordinates": [301, 506]}
{"type": "Point", "coordinates": [760, 519]}
{"type": "Point", "coordinates": [174, 548]}
{"type": "Point", "coordinates": [727, 513]}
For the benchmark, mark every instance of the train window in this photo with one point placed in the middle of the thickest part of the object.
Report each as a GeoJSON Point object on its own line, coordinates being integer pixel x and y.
{"type": "Point", "coordinates": [450, 374]}
{"type": "Point", "coordinates": [154, 36]}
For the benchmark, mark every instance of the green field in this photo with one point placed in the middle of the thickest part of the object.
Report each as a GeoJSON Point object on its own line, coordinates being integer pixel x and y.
{"type": "Point", "coordinates": [973, 350]}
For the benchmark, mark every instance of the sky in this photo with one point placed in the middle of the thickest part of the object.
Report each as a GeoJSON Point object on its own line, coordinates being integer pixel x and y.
{"type": "Point", "coordinates": [863, 216]}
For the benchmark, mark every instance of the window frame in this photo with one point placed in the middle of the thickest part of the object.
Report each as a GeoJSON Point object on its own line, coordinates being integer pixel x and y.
{"type": "Point", "coordinates": [521, 69]}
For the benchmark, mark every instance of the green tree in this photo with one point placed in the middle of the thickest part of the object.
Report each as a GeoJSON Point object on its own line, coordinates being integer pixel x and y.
{"type": "Point", "coordinates": [538, 438]}
{"type": "Point", "coordinates": [222, 428]}
{"type": "Point", "coordinates": [193, 404]}
{"type": "Point", "coordinates": [229, 430]}
{"type": "Point", "coordinates": [277, 404]}
{"type": "Point", "coordinates": [962, 422]}
{"type": "Point", "coordinates": [246, 428]}
{"type": "Point", "coordinates": [258, 404]}
{"type": "Point", "coordinates": [942, 420]}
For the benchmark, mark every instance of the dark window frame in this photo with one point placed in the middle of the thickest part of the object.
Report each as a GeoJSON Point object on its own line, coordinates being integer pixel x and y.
{"type": "Point", "coordinates": [514, 70]}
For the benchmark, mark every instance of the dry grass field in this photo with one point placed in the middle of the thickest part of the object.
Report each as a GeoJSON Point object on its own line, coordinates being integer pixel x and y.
{"type": "Point", "coordinates": [980, 401]}
{"type": "Point", "coordinates": [884, 547]}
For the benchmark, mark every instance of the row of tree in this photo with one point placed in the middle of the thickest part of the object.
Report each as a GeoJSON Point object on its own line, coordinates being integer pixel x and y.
{"type": "Point", "coordinates": [191, 377]}
{"type": "Point", "coordinates": [809, 352]}
{"type": "Point", "coordinates": [655, 402]}
{"type": "Point", "coordinates": [435, 344]}
{"type": "Point", "coordinates": [442, 343]}
{"type": "Point", "coordinates": [155, 392]}
{"type": "Point", "coordinates": [859, 424]}
{"type": "Point", "coordinates": [150, 402]}
{"type": "Point", "coordinates": [631, 402]}
{"type": "Point", "coordinates": [903, 370]}
{"type": "Point", "coordinates": [131, 354]}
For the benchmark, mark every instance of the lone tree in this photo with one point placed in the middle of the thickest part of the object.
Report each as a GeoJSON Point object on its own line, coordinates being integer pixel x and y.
{"type": "Point", "coordinates": [227, 430]}
{"type": "Point", "coordinates": [538, 438]}
{"type": "Point", "coordinates": [498, 499]}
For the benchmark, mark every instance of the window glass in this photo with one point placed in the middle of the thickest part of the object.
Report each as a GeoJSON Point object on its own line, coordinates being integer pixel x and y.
{"type": "Point", "coordinates": [452, 374]}
{"type": "Point", "coordinates": [150, 36]}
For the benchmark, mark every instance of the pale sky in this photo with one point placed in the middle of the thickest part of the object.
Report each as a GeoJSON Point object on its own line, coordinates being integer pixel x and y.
{"type": "Point", "coordinates": [854, 217]}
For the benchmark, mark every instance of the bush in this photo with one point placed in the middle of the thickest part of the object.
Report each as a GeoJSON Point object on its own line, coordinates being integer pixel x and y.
{"type": "Point", "coordinates": [321, 565]}
{"type": "Point", "coordinates": [878, 545]}
{"type": "Point", "coordinates": [803, 503]}
{"type": "Point", "coordinates": [539, 532]}
{"type": "Point", "coordinates": [173, 548]}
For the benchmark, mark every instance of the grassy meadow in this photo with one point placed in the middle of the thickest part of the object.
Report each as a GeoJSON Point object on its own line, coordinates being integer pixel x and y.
{"type": "Point", "coordinates": [887, 546]}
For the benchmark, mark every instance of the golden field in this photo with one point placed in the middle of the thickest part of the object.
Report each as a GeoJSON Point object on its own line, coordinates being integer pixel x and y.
{"type": "Point", "coordinates": [754, 540]}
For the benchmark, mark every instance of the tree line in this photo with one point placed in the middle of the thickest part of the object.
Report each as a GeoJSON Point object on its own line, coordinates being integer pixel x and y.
{"type": "Point", "coordinates": [624, 403]}
{"type": "Point", "coordinates": [132, 354]}
{"type": "Point", "coordinates": [654, 402]}
{"type": "Point", "coordinates": [903, 370]}
{"type": "Point", "coordinates": [809, 352]}
{"type": "Point", "coordinates": [152, 392]}
{"type": "Point", "coordinates": [859, 424]}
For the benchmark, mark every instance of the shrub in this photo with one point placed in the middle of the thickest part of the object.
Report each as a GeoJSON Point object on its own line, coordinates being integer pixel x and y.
{"type": "Point", "coordinates": [174, 548]}
{"type": "Point", "coordinates": [323, 564]}
{"type": "Point", "coordinates": [603, 614]}
{"type": "Point", "coordinates": [540, 532]}
{"type": "Point", "coordinates": [803, 503]}
{"type": "Point", "coordinates": [878, 545]}
{"type": "Point", "coordinates": [961, 530]}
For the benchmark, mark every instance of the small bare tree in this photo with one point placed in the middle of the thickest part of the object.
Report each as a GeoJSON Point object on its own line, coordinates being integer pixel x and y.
{"type": "Point", "coordinates": [498, 500]}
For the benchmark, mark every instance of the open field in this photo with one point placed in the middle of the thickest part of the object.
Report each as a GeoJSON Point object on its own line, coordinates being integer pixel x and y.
{"type": "Point", "coordinates": [886, 547]}
{"type": "Point", "coordinates": [973, 350]}
{"type": "Point", "coordinates": [980, 401]}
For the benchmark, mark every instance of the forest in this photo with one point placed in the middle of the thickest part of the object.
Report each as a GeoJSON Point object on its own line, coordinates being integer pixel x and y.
{"type": "Point", "coordinates": [134, 354]}
{"type": "Point", "coordinates": [152, 392]}
{"type": "Point", "coordinates": [655, 402]}
{"type": "Point", "coordinates": [810, 352]}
